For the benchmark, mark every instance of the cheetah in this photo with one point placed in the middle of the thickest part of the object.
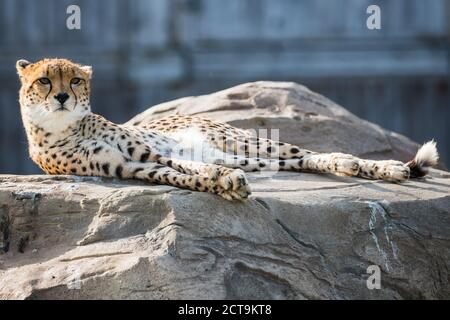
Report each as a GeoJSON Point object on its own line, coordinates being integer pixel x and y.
{"type": "Point", "coordinates": [65, 137]}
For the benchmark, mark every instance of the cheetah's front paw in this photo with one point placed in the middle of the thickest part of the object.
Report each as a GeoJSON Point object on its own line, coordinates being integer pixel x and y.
{"type": "Point", "coordinates": [234, 185]}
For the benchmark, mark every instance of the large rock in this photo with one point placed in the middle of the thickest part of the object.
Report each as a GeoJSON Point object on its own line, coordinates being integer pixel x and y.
{"type": "Point", "coordinates": [299, 236]}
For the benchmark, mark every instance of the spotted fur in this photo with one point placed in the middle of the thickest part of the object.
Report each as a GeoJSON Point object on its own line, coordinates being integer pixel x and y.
{"type": "Point", "coordinates": [195, 153]}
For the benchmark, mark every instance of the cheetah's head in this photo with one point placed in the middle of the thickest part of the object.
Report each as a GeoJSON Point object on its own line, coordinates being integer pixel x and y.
{"type": "Point", "coordinates": [54, 93]}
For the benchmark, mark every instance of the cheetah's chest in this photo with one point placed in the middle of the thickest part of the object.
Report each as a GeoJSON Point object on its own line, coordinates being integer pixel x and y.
{"type": "Point", "coordinates": [54, 160]}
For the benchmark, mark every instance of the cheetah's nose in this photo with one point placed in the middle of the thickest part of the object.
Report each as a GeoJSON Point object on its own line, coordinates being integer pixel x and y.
{"type": "Point", "coordinates": [62, 97]}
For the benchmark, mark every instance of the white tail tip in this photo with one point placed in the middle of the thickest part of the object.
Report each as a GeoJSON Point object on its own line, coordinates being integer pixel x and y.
{"type": "Point", "coordinates": [427, 156]}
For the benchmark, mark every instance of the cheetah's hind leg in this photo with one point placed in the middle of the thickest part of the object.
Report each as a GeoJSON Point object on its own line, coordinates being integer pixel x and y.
{"type": "Point", "coordinates": [397, 171]}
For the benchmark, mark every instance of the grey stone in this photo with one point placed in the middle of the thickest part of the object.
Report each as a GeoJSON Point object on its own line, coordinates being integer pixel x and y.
{"type": "Point", "coordinates": [300, 236]}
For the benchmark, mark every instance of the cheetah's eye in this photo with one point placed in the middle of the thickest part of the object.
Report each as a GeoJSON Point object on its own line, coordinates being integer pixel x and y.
{"type": "Point", "coordinates": [44, 81]}
{"type": "Point", "coordinates": [75, 81]}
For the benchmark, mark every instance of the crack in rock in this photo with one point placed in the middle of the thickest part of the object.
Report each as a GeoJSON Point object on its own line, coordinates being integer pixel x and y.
{"type": "Point", "coordinates": [376, 209]}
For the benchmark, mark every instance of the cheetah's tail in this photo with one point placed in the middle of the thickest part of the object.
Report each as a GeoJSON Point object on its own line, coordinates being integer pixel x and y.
{"type": "Point", "coordinates": [426, 157]}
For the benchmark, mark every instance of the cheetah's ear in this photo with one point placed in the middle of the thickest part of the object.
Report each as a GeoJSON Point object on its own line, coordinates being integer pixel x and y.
{"type": "Point", "coordinates": [21, 65]}
{"type": "Point", "coordinates": [87, 70]}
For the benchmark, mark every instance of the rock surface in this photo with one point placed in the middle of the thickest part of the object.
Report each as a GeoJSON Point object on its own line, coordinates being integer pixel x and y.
{"type": "Point", "coordinates": [299, 236]}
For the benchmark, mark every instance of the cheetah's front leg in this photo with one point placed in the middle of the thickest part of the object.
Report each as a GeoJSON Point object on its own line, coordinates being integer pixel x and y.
{"type": "Point", "coordinates": [229, 185]}
{"type": "Point", "coordinates": [231, 180]}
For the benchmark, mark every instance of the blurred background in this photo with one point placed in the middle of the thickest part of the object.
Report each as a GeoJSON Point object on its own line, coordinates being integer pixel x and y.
{"type": "Point", "coordinates": [149, 51]}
